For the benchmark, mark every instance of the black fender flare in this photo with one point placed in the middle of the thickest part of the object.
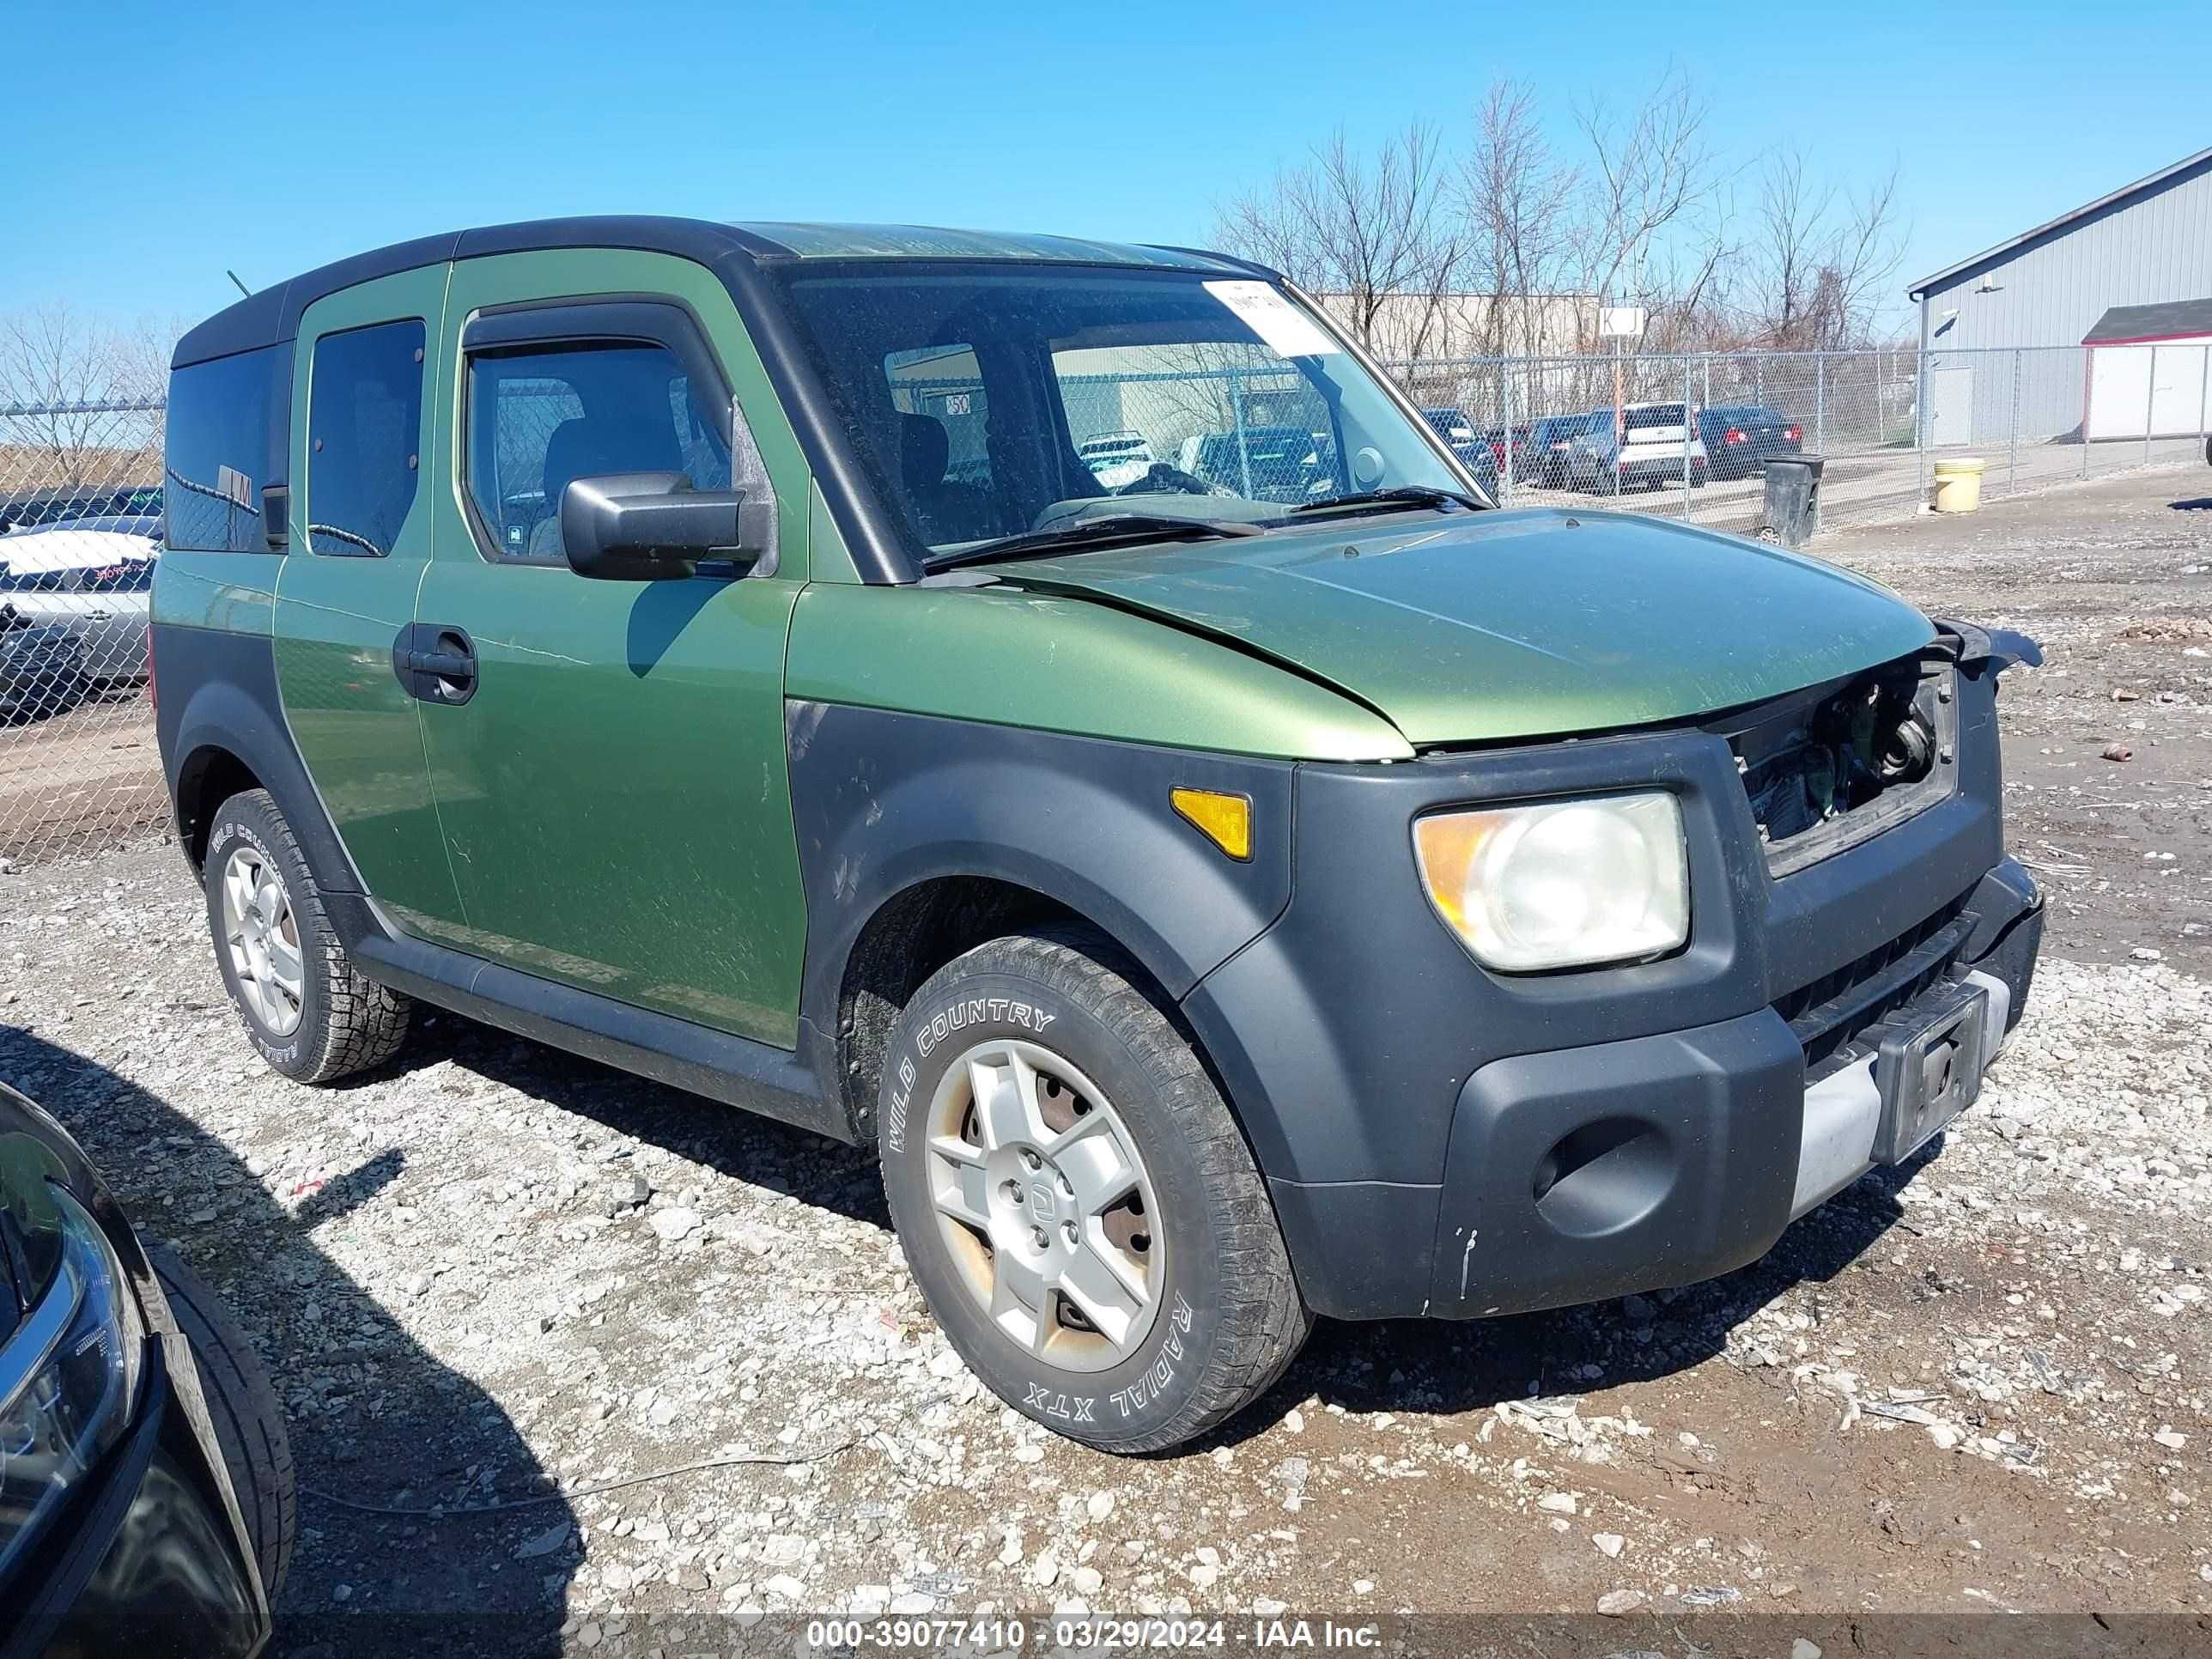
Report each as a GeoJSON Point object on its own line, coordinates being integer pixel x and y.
{"type": "Point", "coordinates": [883, 802]}
{"type": "Point", "coordinates": [218, 696]}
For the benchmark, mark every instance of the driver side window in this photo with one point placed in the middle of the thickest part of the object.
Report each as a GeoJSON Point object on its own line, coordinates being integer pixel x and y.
{"type": "Point", "coordinates": [540, 418]}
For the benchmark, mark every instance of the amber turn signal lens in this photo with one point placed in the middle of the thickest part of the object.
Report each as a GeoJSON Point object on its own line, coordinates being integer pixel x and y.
{"type": "Point", "coordinates": [1447, 843]}
{"type": "Point", "coordinates": [1225, 820]}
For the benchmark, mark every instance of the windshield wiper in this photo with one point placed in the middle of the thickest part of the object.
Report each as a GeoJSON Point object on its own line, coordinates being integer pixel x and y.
{"type": "Point", "coordinates": [1107, 531]}
{"type": "Point", "coordinates": [1396, 495]}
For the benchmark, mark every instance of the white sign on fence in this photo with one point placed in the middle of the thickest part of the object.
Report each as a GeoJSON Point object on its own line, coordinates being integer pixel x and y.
{"type": "Point", "coordinates": [1620, 322]}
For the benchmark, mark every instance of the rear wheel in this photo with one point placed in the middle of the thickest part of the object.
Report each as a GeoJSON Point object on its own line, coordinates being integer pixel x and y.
{"type": "Point", "coordinates": [1076, 1202]}
{"type": "Point", "coordinates": [306, 1007]}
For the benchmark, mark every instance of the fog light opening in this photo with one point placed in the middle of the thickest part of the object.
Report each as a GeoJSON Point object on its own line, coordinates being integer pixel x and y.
{"type": "Point", "coordinates": [1603, 1178]}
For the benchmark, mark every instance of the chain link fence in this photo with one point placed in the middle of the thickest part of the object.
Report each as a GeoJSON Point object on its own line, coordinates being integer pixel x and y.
{"type": "Point", "coordinates": [81, 499]}
{"type": "Point", "coordinates": [1544, 430]}
{"type": "Point", "coordinates": [81, 487]}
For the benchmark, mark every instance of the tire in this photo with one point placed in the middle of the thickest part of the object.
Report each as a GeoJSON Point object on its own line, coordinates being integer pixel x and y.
{"type": "Point", "coordinates": [249, 1418]}
{"type": "Point", "coordinates": [327, 1021]}
{"type": "Point", "coordinates": [1216, 1315]}
{"type": "Point", "coordinates": [1699, 477]}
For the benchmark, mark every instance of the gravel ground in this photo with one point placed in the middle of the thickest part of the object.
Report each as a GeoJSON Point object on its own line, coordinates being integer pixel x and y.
{"type": "Point", "coordinates": [493, 1275]}
{"type": "Point", "coordinates": [2108, 747]}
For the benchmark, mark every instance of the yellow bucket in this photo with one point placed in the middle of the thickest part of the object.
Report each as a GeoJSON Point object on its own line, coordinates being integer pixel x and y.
{"type": "Point", "coordinates": [1958, 484]}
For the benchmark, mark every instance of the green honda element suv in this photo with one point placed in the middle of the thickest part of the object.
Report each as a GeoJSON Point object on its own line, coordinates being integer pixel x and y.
{"type": "Point", "coordinates": [1261, 883]}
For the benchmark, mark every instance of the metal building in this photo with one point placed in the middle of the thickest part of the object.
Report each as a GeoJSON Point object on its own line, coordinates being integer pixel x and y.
{"type": "Point", "coordinates": [2147, 243]}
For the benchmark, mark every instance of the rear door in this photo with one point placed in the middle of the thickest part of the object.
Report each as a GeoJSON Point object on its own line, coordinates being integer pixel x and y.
{"type": "Point", "coordinates": [611, 773]}
{"type": "Point", "coordinates": [360, 541]}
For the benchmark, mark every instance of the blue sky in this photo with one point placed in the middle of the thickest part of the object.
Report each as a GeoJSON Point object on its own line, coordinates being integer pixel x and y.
{"type": "Point", "coordinates": [160, 142]}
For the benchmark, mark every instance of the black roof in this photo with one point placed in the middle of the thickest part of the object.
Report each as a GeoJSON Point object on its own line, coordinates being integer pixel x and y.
{"type": "Point", "coordinates": [2172, 319]}
{"type": "Point", "coordinates": [273, 314]}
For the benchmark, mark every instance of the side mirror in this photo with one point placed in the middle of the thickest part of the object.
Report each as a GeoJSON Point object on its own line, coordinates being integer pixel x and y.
{"type": "Point", "coordinates": [651, 526]}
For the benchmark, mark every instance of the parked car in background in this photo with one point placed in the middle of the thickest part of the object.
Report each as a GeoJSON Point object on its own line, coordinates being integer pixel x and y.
{"type": "Point", "coordinates": [1453, 426]}
{"type": "Point", "coordinates": [41, 667]}
{"type": "Point", "coordinates": [1497, 438]}
{"type": "Point", "coordinates": [1474, 454]}
{"type": "Point", "coordinates": [1739, 437]}
{"type": "Point", "coordinates": [1550, 453]}
{"type": "Point", "coordinates": [1116, 459]}
{"type": "Point", "coordinates": [23, 512]}
{"type": "Point", "coordinates": [93, 577]}
{"type": "Point", "coordinates": [1651, 445]}
{"type": "Point", "coordinates": [1271, 462]}
{"type": "Point", "coordinates": [146, 1502]}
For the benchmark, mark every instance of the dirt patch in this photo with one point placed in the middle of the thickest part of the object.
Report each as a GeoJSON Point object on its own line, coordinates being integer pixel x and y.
{"type": "Point", "coordinates": [2115, 580]}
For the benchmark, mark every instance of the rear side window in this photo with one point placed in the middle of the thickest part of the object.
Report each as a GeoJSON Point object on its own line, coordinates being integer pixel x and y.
{"type": "Point", "coordinates": [539, 418]}
{"type": "Point", "coordinates": [218, 446]}
{"type": "Point", "coordinates": [364, 437]}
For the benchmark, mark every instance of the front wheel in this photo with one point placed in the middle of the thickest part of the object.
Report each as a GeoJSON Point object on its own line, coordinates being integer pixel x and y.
{"type": "Point", "coordinates": [1077, 1202]}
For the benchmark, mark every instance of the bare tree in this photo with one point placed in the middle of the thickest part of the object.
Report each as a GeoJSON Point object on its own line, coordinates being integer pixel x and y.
{"type": "Point", "coordinates": [1652, 226]}
{"type": "Point", "coordinates": [1374, 237]}
{"type": "Point", "coordinates": [64, 376]}
{"type": "Point", "coordinates": [1820, 258]}
{"type": "Point", "coordinates": [1519, 199]}
{"type": "Point", "coordinates": [1503, 247]}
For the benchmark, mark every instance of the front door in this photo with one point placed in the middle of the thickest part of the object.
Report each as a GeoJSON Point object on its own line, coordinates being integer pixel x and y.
{"type": "Point", "coordinates": [608, 757]}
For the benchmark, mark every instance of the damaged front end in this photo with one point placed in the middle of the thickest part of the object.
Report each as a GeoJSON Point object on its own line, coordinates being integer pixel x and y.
{"type": "Point", "coordinates": [1829, 767]}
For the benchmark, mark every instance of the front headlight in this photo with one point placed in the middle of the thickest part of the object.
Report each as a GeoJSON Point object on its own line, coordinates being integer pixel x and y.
{"type": "Point", "coordinates": [68, 1376]}
{"type": "Point", "coordinates": [1564, 883]}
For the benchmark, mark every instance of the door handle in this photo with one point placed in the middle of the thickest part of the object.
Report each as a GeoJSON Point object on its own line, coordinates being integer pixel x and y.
{"type": "Point", "coordinates": [436, 663]}
{"type": "Point", "coordinates": [446, 665]}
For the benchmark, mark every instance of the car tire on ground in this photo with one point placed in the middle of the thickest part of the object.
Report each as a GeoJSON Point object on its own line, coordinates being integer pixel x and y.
{"type": "Point", "coordinates": [249, 1418]}
{"type": "Point", "coordinates": [309, 1013]}
{"type": "Point", "coordinates": [1076, 1200]}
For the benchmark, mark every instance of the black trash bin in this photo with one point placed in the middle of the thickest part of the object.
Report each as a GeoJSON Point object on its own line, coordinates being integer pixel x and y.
{"type": "Point", "coordinates": [1792, 510]}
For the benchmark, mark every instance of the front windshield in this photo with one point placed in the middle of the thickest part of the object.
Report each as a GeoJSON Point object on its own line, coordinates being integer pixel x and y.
{"type": "Point", "coordinates": [996, 402]}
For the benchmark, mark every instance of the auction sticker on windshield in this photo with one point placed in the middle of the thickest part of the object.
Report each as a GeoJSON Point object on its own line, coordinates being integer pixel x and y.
{"type": "Point", "coordinates": [1282, 326]}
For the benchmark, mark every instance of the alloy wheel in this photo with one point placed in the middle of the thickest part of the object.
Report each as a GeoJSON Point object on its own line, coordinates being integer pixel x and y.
{"type": "Point", "coordinates": [1045, 1205]}
{"type": "Point", "coordinates": [263, 937]}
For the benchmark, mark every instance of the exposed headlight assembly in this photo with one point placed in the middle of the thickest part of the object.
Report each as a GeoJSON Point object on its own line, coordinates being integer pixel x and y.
{"type": "Point", "coordinates": [68, 1376]}
{"type": "Point", "coordinates": [1562, 884]}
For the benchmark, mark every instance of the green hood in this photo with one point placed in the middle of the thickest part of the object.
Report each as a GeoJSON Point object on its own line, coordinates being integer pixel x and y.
{"type": "Point", "coordinates": [1514, 624]}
